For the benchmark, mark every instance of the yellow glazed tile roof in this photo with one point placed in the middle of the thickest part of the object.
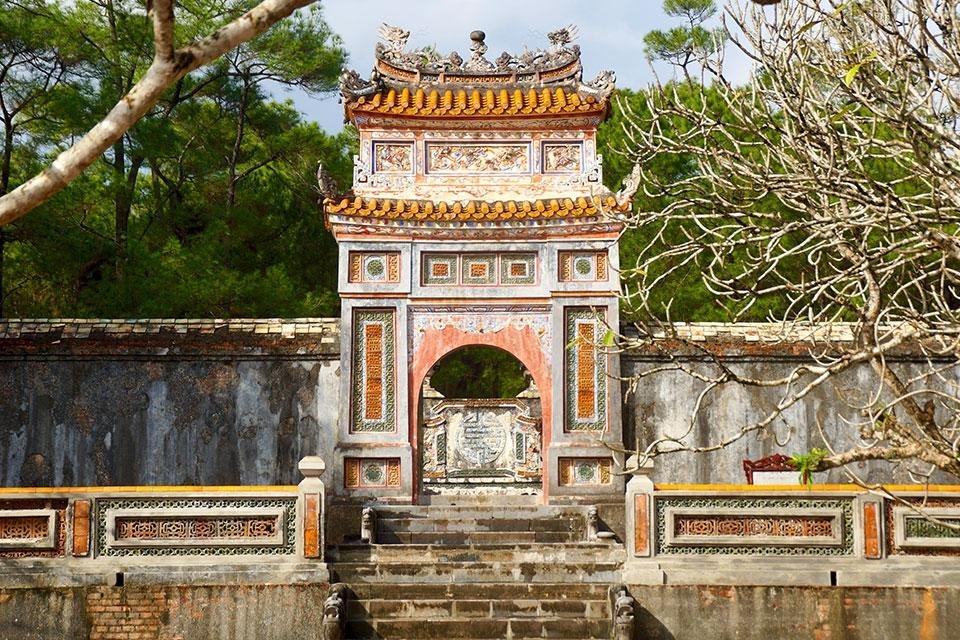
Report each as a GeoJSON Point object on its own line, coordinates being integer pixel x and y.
{"type": "Point", "coordinates": [472, 210]}
{"type": "Point", "coordinates": [460, 102]}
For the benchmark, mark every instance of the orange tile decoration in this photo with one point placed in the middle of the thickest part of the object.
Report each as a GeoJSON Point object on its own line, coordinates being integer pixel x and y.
{"type": "Point", "coordinates": [641, 524]}
{"type": "Point", "coordinates": [373, 367]}
{"type": "Point", "coordinates": [393, 267]}
{"type": "Point", "coordinates": [586, 371]}
{"type": "Point", "coordinates": [81, 528]}
{"type": "Point", "coordinates": [371, 473]}
{"type": "Point", "coordinates": [871, 530]}
{"type": "Point", "coordinates": [585, 471]}
{"type": "Point", "coordinates": [311, 526]}
{"type": "Point", "coordinates": [461, 103]}
{"type": "Point", "coordinates": [472, 210]}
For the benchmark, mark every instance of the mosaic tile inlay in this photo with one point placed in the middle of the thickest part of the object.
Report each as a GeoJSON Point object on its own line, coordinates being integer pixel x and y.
{"type": "Point", "coordinates": [585, 383]}
{"type": "Point", "coordinates": [371, 473]}
{"type": "Point", "coordinates": [585, 471]}
{"type": "Point", "coordinates": [374, 371]}
{"type": "Point", "coordinates": [583, 266]}
{"type": "Point", "coordinates": [374, 267]}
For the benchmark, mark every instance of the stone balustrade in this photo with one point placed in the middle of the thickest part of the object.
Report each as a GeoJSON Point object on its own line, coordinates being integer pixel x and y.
{"type": "Point", "coordinates": [789, 534]}
{"type": "Point", "coordinates": [93, 534]}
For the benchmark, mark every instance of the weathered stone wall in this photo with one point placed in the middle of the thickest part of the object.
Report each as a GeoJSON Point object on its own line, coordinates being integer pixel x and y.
{"type": "Point", "coordinates": [240, 402]}
{"type": "Point", "coordinates": [662, 404]}
{"type": "Point", "coordinates": [174, 403]}
{"type": "Point", "coordinates": [234, 612]}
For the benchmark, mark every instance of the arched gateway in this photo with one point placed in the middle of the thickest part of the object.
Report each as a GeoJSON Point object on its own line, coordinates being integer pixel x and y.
{"type": "Point", "coordinates": [477, 217]}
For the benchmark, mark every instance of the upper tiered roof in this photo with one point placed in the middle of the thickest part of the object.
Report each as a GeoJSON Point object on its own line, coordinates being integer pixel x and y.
{"type": "Point", "coordinates": [422, 82]}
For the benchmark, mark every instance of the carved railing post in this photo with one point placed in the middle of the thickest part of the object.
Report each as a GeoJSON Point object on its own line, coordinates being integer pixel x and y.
{"type": "Point", "coordinates": [624, 613]}
{"type": "Point", "coordinates": [368, 525]}
{"type": "Point", "coordinates": [312, 506]}
{"type": "Point", "coordinates": [593, 524]}
{"type": "Point", "coordinates": [640, 525]}
{"type": "Point", "coordinates": [335, 612]}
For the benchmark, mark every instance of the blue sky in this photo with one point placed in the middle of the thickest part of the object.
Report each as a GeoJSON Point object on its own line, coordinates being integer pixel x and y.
{"type": "Point", "coordinates": [611, 35]}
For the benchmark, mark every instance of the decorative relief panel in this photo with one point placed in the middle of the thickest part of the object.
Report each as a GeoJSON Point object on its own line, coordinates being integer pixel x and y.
{"type": "Point", "coordinates": [479, 269]}
{"type": "Point", "coordinates": [478, 158]}
{"type": "Point", "coordinates": [374, 371]}
{"type": "Point", "coordinates": [490, 441]}
{"type": "Point", "coordinates": [393, 157]}
{"type": "Point", "coordinates": [585, 371]}
{"type": "Point", "coordinates": [584, 472]}
{"type": "Point", "coordinates": [195, 526]}
{"type": "Point", "coordinates": [190, 527]}
{"type": "Point", "coordinates": [366, 267]}
{"type": "Point", "coordinates": [480, 320]}
{"type": "Point", "coordinates": [518, 268]}
{"type": "Point", "coordinates": [371, 473]}
{"type": "Point", "coordinates": [562, 157]}
{"type": "Point", "coordinates": [33, 528]}
{"type": "Point", "coordinates": [754, 526]}
{"type": "Point", "coordinates": [914, 532]}
{"type": "Point", "coordinates": [440, 268]}
{"type": "Point", "coordinates": [583, 266]}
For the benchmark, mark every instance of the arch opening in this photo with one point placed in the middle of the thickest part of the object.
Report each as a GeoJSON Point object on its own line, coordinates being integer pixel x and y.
{"type": "Point", "coordinates": [479, 426]}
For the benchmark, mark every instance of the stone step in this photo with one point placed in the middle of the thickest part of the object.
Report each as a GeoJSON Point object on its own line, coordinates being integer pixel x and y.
{"type": "Point", "coordinates": [350, 572]}
{"type": "Point", "coordinates": [488, 523]}
{"type": "Point", "coordinates": [476, 537]}
{"type": "Point", "coordinates": [495, 609]}
{"type": "Point", "coordinates": [480, 629]}
{"type": "Point", "coordinates": [472, 511]}
{"type": "Point", "coordinates": [524, 552]}
{"type": "Point", "coordinates": [481, 591]}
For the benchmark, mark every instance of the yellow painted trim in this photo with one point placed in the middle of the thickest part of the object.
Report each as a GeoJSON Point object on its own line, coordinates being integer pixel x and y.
{"type": "Point", "coordinates": [933, 488]}
{"type": "Point", "coordinates": [151, 489]}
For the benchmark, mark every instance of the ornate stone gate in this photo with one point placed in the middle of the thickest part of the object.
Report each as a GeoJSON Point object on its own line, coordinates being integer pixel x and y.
{"type": "Point", "coordinates": [477, 217]}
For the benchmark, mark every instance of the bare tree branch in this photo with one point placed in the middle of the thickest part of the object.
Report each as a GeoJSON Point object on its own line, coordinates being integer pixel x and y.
{"type": "Point", "coordinates": [169, 65]}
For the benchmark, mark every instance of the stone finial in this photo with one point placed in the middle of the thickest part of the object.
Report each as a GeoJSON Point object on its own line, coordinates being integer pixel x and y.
{"type": "Point", "coordinates": [636, 468]}
{"type": "Point", "coordinates": [311, 466]}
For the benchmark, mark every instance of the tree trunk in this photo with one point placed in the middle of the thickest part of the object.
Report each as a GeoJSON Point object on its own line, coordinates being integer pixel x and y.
{"type": "Point", "coordinates": [237, 143]}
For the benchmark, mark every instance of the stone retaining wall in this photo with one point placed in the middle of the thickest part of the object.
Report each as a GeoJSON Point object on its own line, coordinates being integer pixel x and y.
{"type": "Point", "coordinates": [235, 612]}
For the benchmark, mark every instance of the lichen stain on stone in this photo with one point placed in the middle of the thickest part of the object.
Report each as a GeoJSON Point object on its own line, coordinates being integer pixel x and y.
{"type": "Point", "coordinates": [928, 624]}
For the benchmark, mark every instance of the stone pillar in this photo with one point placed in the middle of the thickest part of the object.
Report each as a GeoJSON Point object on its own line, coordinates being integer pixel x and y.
{"type": "Point", "coordinates": [311, 507]}
{"type": "Point", "coordinates": [641, 525]}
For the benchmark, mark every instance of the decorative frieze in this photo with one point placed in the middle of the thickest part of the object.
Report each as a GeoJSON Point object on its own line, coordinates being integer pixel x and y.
{"type": "Point", "coordinates": [195, 526]}
{"type": "Point", "coordinates": [585, 387]}
{"type": "Point", "coordinates": [392, 157]}
{"type": "Point", "coordinates": [374, 267]}
{"type": "Point", "coordinates": [190, 527]}
{"type": "Point", "coordinates": [33, 528]}
{"type": "Point", "coordinates": [583, 266]}
{"type": "Point", "coordinates": [28, 529]}
{"type": "Point", "coordinates": [374, 371]}
{"type": "Point", "coordinates": [479, 269]}
{"type": "Point", "coordinates": [371, 473]}
{"type": "Point", "coordinates": [481, 319]}
{"type": "Point", "coordinates": [926, 528]}
{"type": "Point", "coordinates": [562, 157]}
{"type": "Point", "coordinates": [584, 472]}
{"type": "Point", "coordinates": [478, 158]}
{"type": "Point", "coordinates": [755, 526]}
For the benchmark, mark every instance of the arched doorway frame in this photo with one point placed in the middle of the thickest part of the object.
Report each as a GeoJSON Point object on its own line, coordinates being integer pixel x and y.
{"type": "Point", "coordinates": [521, 342]}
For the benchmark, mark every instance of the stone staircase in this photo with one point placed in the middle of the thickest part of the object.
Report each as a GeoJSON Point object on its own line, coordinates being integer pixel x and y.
{"type": "Point", "coordinates": [478, 572]}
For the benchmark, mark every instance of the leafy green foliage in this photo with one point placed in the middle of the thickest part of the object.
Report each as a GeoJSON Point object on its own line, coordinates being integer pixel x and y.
{"type": "Point", "coordinates": [479, 372]}
{"type": "Point", "coordinates": [207, 206]}
{"type": "Point", "coordinates": [807, 463]}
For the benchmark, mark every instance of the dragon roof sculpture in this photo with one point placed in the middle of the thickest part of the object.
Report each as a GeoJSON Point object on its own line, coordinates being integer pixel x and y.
{"type": "Point", "coordinates": [398, 67]}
